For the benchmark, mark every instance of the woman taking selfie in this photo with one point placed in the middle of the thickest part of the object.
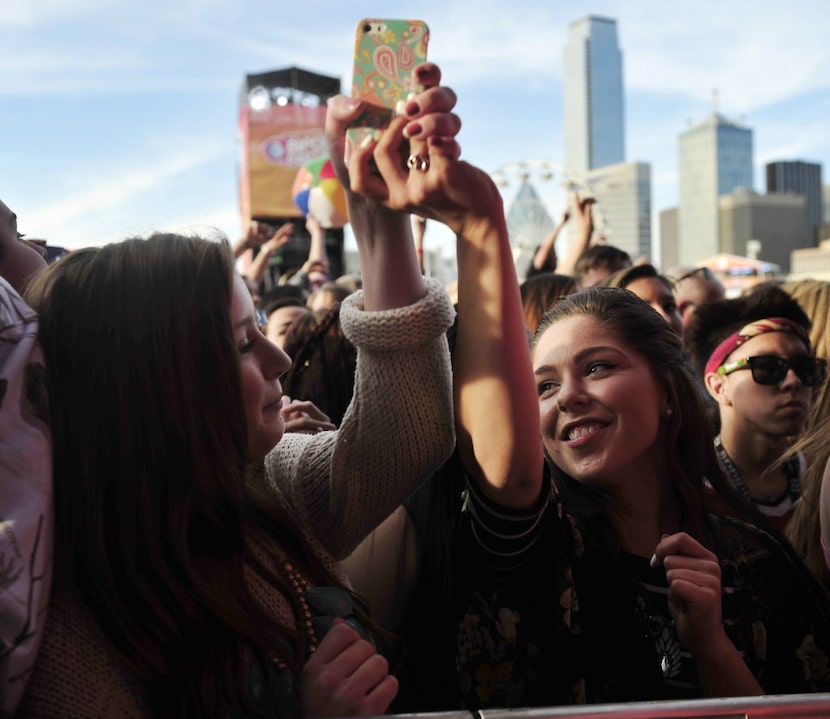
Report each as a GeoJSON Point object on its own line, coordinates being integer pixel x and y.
{"type": "Point", "coordinates": [660, 598]}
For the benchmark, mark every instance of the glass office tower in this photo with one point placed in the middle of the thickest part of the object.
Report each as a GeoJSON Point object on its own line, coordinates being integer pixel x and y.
{"type": "Point", "coordinates": [715, 159]}
{"type": "Point", "coordinates": [593, 95]}
{"type": "Point", "coordinates": [803, 178]}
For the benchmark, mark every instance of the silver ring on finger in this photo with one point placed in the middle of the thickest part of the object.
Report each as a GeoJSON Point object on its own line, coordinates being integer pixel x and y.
{"type": "Point", "coordinates": [416, 162]}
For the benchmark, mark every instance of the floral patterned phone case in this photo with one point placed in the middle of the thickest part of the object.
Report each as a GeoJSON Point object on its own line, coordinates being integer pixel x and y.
{"type": "Point", "coordinates": [385, 56]}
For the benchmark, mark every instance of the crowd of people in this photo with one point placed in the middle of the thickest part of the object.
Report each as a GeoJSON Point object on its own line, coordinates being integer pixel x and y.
{"type": "Point", "coordinates": [358, 496]}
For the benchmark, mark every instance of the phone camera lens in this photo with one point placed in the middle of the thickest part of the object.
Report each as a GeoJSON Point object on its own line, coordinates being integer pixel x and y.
{"type": "Point", "coordinates": [367, 27]}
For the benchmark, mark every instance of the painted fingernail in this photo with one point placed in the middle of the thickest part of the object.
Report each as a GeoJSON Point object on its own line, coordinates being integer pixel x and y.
{"type": "Point", "coordinates": [365, 142]}
{"type": "Point", "coordinates": [412, 108]}
{"type": "Point", "coordinates": [412, 129]}
{"type": "Point", "coordinates": [352, 103]}
{"type": "Point", "coordinates": [653, 561]}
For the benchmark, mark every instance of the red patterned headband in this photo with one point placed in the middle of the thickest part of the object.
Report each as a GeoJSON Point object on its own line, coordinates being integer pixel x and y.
{"type": "Point", "coordinates": [753, 329]}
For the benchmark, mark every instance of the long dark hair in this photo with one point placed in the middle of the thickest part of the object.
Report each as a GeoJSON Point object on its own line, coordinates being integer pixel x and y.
{"type": "Point", "coordinates": [605, 575]}
{"type": "Point", "coordinates": [688, 455]}
{"type": "Point", "coordinates": [540, 292]}
{"type": "Point", "coordinates": [155, 515]}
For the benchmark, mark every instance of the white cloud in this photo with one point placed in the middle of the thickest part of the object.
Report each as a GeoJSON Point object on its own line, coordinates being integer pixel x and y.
{"type": "Point", "coordinates": [72, 217]}
{"type": "Point", "coordinates": [753, 54]}
{"type": "Point", "coordinates": [25, 14]}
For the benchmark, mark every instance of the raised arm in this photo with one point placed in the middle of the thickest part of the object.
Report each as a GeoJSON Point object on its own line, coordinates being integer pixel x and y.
{"type": "Point", "coordinates": [389, 265]}
{"type": "Point", "coordinates": [545, 257]}
{"type": "Point", "coordinates": [497, 416]}
{"type": "Point", "coordinates": [256, 270]}
{"type": "Point", "coordinates": [398, 429]}
{"type": "Point", "coordinates": [496, 408]}
{"type": "Point", "coordinates": [584, 231]}
{"type": "Point", "coordinates": [254, 236]}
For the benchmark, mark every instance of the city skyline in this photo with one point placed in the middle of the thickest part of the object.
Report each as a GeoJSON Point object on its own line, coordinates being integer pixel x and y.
{"type": "Point", "coordinates": [122, 122]}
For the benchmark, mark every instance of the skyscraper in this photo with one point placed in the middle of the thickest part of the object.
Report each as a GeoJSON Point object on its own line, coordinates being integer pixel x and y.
{"type": "Point", "coordinates": [715, 158]}
{"type": "Point", "coordinates": [803, 178]}
{"type": "Point", "coordinates": [593, 95]}
{"type": "Point", "coordinates": [775, 223]}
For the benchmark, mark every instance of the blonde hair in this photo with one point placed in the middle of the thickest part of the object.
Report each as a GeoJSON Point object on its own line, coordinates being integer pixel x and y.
{"type": "Point", "coordinates": [804, 529]}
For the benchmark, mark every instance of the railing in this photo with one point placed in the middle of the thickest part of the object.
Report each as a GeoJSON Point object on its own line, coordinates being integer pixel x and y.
{"type": "Point", "coordinates": [792, 706]}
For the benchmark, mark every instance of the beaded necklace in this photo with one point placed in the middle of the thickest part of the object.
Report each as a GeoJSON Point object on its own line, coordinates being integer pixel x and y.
{"type": "Point", "coordinates": [791, 467]}
{"type": "Point", "coordinates": [299, 585]}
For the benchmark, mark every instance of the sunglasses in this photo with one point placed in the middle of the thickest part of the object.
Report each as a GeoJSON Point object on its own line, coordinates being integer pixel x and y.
{"type": "Point", "coordinates": [705, 271]}
{"type": "Point", "coordinates": [769, 369]}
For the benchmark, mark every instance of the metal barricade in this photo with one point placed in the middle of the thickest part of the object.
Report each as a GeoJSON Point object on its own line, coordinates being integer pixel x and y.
{"type": "Point", "coordinates": [790, 706]}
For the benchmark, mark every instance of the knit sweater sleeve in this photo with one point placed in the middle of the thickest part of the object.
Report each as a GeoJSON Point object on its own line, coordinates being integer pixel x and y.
{"type": "Point", "coordinates": [396, 432]}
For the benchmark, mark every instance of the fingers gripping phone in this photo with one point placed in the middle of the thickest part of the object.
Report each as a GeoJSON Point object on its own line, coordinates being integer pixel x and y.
{"type": "Point", "coordinates": [385, 56]}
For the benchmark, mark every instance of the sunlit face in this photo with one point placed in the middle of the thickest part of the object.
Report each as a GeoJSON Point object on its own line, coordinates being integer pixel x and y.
{"type": "Point", "coordinates": [764, 410]}
{"type": "Point", "coordinates": [261, 364]}
{"type": "Point", "coordinates": [19, 260]}
{"type": "Point", "coordinates": [280, 321]}
{"type": "Point", "coordinates": [661, 298]}
{"type": "Point", "coordinates": [599, 403]}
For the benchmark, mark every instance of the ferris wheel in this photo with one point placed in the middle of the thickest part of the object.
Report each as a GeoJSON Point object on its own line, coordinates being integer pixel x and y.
{"type": "Point", "coordinates": [537, 173]}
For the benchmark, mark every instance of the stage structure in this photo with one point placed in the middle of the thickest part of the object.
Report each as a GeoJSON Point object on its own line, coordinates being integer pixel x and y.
{"type": "Point", "coordinates": [281, 128]}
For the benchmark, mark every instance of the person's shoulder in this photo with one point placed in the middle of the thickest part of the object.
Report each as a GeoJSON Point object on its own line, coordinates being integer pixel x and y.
{"type": "Point", "coordinates": [13, 310]}
{"type": "Point", "coordinates": [745, 547]}
{"type": "Point", "coordinates": [731, 528]}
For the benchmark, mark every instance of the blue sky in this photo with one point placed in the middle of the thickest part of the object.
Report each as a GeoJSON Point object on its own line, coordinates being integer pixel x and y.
{"type": "Point", "coordinates": [120, 118]}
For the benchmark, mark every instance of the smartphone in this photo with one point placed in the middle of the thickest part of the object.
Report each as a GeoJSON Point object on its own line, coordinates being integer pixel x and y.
{"type": "Point", "coordinates": [386, 52]}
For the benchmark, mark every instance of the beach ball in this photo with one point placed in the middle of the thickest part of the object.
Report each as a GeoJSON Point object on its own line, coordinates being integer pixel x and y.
{"type": "Point", "coordinates": [318, 192]}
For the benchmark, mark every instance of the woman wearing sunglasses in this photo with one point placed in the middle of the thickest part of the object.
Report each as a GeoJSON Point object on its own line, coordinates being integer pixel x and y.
{"type": "Point", "coordinates": [755, 357]}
